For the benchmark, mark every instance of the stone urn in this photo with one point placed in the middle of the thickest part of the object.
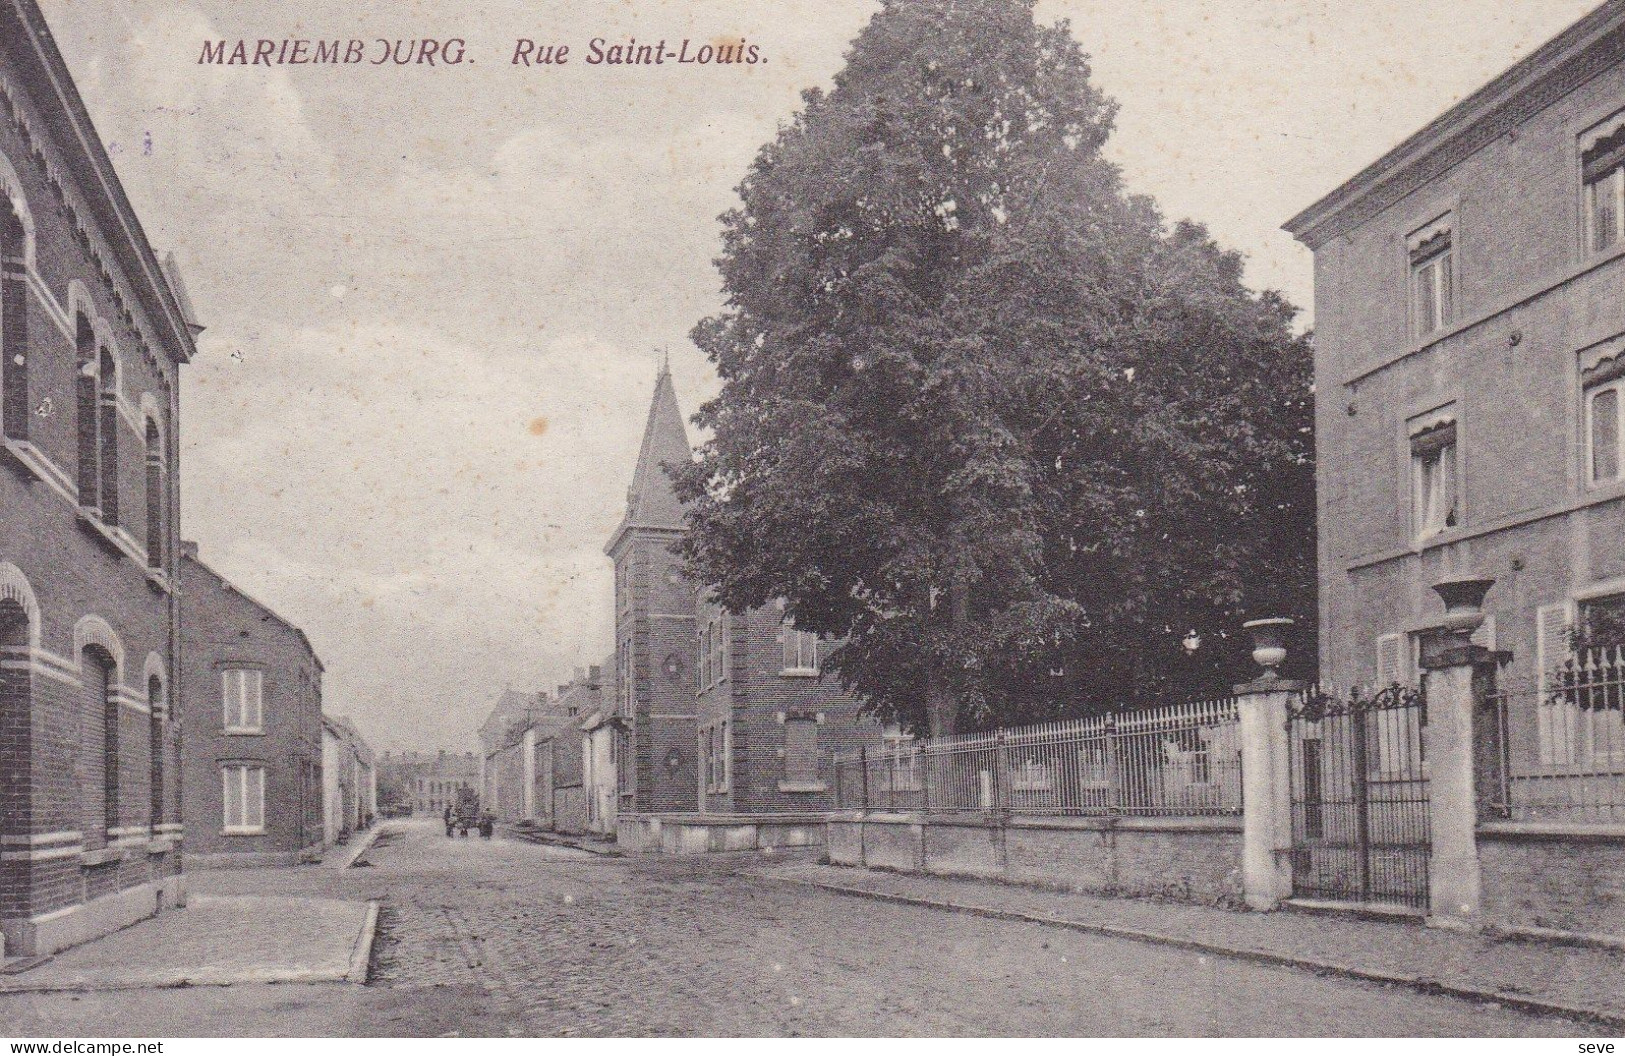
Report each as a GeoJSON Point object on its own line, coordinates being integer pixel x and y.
{"type": "Point", "coordinates": [1463, 598]}
{"type": "Point", "coordinates": [1269, 644]}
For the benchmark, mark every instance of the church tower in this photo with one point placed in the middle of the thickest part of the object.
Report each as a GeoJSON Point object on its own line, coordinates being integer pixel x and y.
{"type": "Point", "coordinates": [654, 623]}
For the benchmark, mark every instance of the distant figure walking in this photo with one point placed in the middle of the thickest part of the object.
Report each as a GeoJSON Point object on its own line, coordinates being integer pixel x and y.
{"type": "Point", "coordinates": [448, 817]}
{"type": "Point", "coordinates": [488, 824]}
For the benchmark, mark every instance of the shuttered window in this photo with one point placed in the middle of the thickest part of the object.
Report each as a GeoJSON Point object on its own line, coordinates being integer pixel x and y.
{"type": "Point", "coordinates": [800, 751]}
{"type": "Point", "coordinates": [1557, 721]}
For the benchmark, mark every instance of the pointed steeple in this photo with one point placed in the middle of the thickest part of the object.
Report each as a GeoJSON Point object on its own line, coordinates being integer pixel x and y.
{"type": "Point", "coordinates": [652, 502]}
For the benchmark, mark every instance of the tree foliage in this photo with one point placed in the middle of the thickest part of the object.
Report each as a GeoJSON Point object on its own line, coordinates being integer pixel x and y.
{"type": "Point", "coordinates": [984, 414]}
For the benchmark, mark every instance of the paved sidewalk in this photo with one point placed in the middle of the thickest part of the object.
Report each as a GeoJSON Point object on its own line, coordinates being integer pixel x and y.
{"type": "Point", "coordinates": [1530, 975]}
{"type": "Point", "coordinates": [215, 941]}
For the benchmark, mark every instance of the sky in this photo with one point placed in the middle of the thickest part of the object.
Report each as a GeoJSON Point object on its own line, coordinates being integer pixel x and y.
{"type": "Point", "coordinates": [436, 297]}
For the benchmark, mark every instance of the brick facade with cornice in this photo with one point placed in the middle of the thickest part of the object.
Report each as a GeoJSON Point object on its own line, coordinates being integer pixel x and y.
{"type": "Point", "coordinates": [94, 330]}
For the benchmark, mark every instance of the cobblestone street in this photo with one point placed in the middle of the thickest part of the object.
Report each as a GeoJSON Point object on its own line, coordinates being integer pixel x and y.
{"type": "Point", "coordinates": [508, 938]}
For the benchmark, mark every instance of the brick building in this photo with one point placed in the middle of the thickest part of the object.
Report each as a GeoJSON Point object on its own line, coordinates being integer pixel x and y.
{"type": "Point", "coordinates": [751, 693]}
{"type": "Point", "coordinates": [1470, 325]}
{"type": "Point", "coordinates": [251, 747]}
{"type": "Point", "coordinates": [503, 750]}
{"type": "Point", "coordinates": [1469, 371]}
{"type": "Point", "coordinates": [93, 331]}
{"type": "Point", "coordinates": [654, 626]}
{"type": "Point", "coordinates": [426, 781]}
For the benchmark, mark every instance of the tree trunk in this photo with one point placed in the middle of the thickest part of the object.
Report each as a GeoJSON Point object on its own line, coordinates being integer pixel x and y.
{"type": "Point", "coordinates": [941, 693]}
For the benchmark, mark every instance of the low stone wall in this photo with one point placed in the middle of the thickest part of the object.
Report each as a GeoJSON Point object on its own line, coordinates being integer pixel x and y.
{"type": "Point", "coordinates": [1191, 859]}
{"type": "Point", "coordinates": [708, 833]}
{"type": "Point", "coordinates": [1568, 878]}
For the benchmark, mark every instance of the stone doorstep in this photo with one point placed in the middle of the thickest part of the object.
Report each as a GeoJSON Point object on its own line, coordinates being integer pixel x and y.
{"type": "Point", "coordinates": [1611, 1018]}
{"type": "Point", "coordinates": [18, 965]}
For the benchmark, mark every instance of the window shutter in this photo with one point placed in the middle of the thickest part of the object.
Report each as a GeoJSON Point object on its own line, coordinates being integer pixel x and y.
{"type": "Point", "coordinates": [1555, 722]}
{"type": "Point", "coordinates": [801, 751]}
{"type": "Point", "coordinates": [1390, 660]}
{"type": "Point", "coordinates": [256, 797]}
{"type": "Point", "coordinates": [231, 781]}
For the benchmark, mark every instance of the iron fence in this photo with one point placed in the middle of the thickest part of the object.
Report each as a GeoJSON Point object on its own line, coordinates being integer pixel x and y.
{"type": "Point", "coordinates": [1178, 760]}
{"type": "Point", "coordinates": [1561, 743]}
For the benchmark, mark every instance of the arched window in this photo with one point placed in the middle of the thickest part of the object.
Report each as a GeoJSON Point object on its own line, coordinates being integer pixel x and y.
{"type": "Point", "coordinates": [14, 708]}
{"type": "Point", "coordinates": [155, 495]}
{"type": "Point", "coordinates": [97, 667]}
{"type": "Point", "coordinates": [86, 415]}
{"type": "Point", "coordinates": [14, 318]}
{"type": "Point", "coordinates": [155, 742]}
{"type": "Point", "coordinates": [109, 431]}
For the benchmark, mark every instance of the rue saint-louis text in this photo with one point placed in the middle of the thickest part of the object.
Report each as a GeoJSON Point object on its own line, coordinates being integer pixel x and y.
{"type": "Point", "coordinates": [433, 52]}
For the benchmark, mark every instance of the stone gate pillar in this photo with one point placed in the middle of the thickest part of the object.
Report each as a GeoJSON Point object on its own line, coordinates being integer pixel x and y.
{"type": "Point", "coordinates": [1266, 777]}
{"type": "Point", "coordinates": [1452, 673]}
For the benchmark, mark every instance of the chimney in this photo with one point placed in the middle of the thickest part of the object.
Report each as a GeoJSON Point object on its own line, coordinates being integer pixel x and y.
{"type": "Point", "coordinates": [595, 675]}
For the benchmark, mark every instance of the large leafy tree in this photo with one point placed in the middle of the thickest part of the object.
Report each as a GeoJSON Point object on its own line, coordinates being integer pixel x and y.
{"type": "Point", "coordinates": [983, 413]}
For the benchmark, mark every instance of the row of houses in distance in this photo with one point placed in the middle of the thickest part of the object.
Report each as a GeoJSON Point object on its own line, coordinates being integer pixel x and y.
{"type": "Point", "coordinates": [424, 782]}
{"type": "Point", "coordinates": [110, 629]}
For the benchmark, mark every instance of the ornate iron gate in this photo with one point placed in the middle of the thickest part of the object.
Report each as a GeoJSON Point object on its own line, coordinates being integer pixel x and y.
{"type": "Point", "coordinates": [1360, 830]}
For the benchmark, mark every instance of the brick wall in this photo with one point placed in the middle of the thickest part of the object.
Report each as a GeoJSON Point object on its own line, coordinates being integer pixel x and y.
{"type": "Point", "coordinates": [223, 629]}
{"type": "Point", "coordinates": [660, 626]}
{"type": "Point", "coordinates": [1574, 884]}
{"type": "Point", "coordinates": [53, 736]}
{"type": "Point", "coordinates": [756, 698]}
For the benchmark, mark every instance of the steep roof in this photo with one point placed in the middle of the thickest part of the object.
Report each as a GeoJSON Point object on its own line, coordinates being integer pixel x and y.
{"type": "Point", "coordinates": [652, 502]}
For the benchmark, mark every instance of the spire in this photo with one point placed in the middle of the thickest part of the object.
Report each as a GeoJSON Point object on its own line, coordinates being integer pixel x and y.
{"type": "Point", "coordinates": [652, 501]}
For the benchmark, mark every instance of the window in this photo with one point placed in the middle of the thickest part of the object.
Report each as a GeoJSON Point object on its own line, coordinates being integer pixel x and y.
{"type": "Point", "coordinates": [98, 666]}
{"type": "Point", "coordinates": [155, 496]}
{"type": "Point", "coordinates": [1433, 300]}
{"type": "Point", "coordinates": [800, 754]}
{"type": "Point", "coordinates": [1573, 727]}
{"type": "Point", "coordinates": [244, 791]}
{"type": "Point", "coordinates": [14, 320]}
{"type": "Point", "coordinates": [800, 651]}
{"type": "Point", "coordinates": [1605, 431]}
{"type": "Point", "coordinates": [244, 692]}
{"type": "Point", "coordinates": [87, 418]}
{"type": "Point", "coordinates": [719, 648]}
{"type": "Point", "coordinates": [109, 438]}
{"type": "Point", "coordinates": [1602, 170]}
{"type": "Point", "coordinates": [715, 752]}
{"type": "Point", "coordinates": [1434, 492]}
{"type": "Point", "coordinates": [155, 747]}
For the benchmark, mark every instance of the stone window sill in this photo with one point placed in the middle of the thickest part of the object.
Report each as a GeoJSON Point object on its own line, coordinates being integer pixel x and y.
{"type": "Point", "coordinates": [798, 672]}
{"type": "Point", "coordinates": [803, 786]}
{"type": "Point", "coordinates": [244, 731]}
{"type": "Point", "coordinates": [101, 856]}
{"type": "Point", "coordinates": [161, 846]}
{"type": "Point", "coordinates": [242, 832]}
